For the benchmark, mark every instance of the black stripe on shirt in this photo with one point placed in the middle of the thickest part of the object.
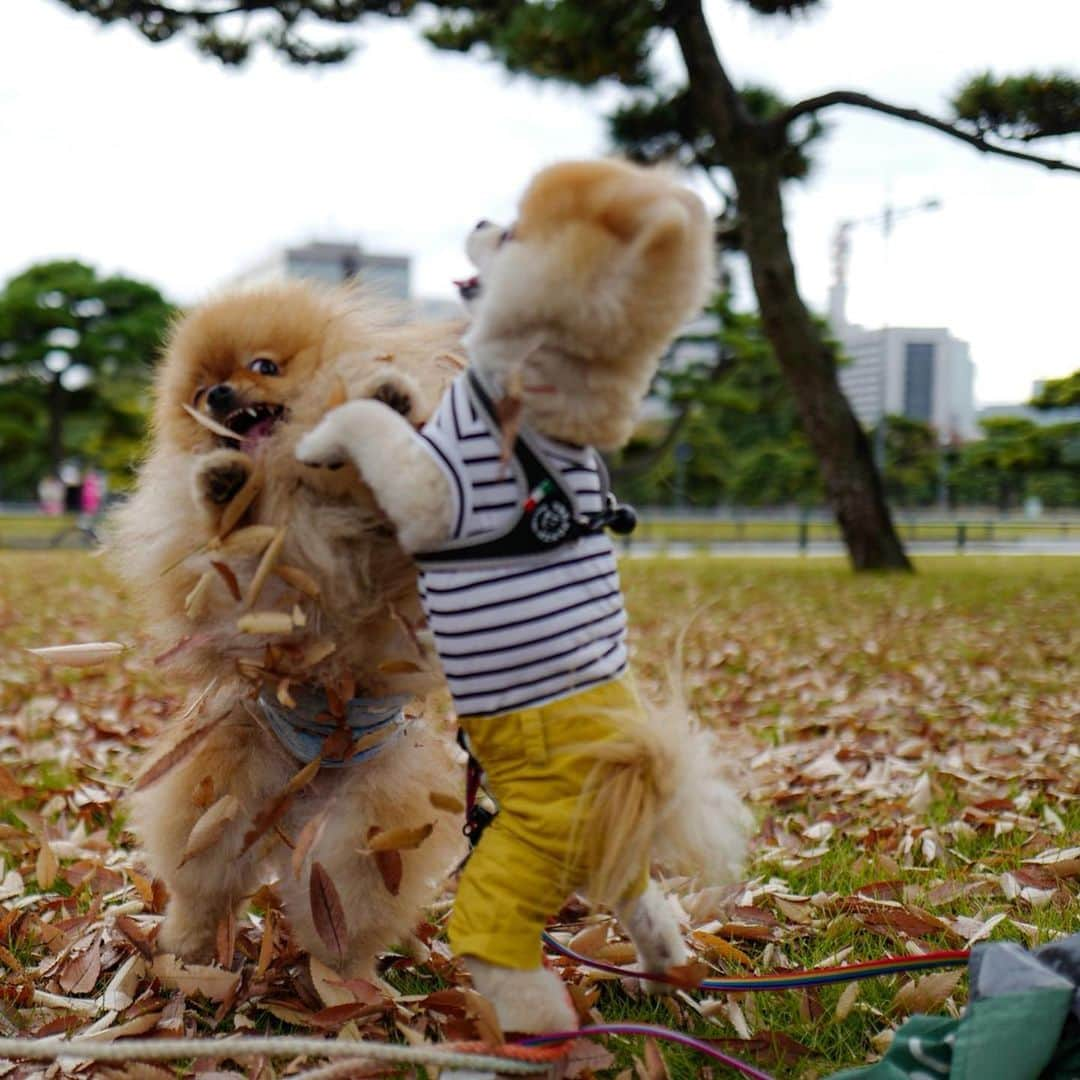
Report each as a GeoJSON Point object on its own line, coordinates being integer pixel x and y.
{"type": "Point", "coordinates": [459, 698]}
{"type": "Point", "coordinates": [523, 622]}
{"type": "Point", "coordinates": [514, 666]}
{"type": "Point", "coordinates": [444, 655]}
{"type": "Point", "coordinates": [525, 597]}
{"type": "Point", "coordinates": [498, 579]}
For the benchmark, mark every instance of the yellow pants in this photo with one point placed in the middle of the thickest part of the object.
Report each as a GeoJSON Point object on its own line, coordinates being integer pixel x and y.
{"type": "Point", "coordinates": [534, 854]}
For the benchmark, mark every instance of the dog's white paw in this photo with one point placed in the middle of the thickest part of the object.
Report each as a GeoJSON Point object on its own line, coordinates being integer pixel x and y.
{"type": "Point", "coordinates": [325, 445]}
{"type": "Point", "coordinates": [534, 1000]}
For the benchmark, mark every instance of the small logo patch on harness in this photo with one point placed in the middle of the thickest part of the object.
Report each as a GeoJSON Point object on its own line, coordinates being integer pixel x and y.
{"type": "Point", "coordinates": [550, 522]}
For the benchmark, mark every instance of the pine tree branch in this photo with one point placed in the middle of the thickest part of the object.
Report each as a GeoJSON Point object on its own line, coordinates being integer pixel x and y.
{"type": "Point", "coordinates": [864, 101]}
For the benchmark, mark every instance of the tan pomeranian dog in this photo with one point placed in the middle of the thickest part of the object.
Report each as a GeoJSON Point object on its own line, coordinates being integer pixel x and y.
{"type": "Point", "coordinates": [282, 599]}
{"type": "Point", "coordinates": [503, 500]}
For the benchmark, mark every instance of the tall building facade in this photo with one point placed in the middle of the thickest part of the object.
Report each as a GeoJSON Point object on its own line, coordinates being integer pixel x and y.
{"type": "Point", "coordinates": [923, 373]}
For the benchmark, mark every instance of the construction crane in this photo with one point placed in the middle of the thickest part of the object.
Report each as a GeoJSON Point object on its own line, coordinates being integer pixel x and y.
{"type": "Point", "coordinates": [842, 248]}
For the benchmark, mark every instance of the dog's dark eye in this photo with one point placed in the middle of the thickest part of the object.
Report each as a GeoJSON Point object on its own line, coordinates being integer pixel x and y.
{"type": "Point", "coordinates": [263, 365]}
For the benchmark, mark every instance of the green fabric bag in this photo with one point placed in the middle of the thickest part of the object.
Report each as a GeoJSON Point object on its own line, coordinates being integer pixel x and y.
{"type": "Point", "coordinates": [1010, 1037]}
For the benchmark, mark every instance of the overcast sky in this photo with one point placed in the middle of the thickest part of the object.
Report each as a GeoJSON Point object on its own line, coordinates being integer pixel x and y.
{"type": "Point", "coordinates": [160, 164]}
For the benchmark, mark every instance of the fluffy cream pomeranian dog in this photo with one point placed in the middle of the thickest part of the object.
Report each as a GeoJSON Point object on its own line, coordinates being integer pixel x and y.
{"type": "Point", "coordinates": [281, 597]}
{"type": "Point", "coordinates": [503, 500]}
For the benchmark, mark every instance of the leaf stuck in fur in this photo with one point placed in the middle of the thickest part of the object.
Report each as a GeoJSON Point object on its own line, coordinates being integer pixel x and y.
{"type": "Point", "coordinates": [388, 863]}
{"type": "Point", "coordinates": [84, 654]}
{"type": "Point", "coordinates": [403, 838]}
{"type": "Point", "coordinates": [211, 425]}
{"type": "Point", "coordinates": [299, 579]}
{"type": "Point", "coordinates": [266, 564]}
{"type": "Point", "coordinates": [450, 803]}
{"type": "Point", "coordinates": [265, 622]}
{"type": "Point", "coordinates": [240, 502]}
{"type": "Point", "coordinates": [179, 752]}
{"type": "Point", "coordinates": [266, 946]}
{"type": "Point", "coordinates": [317, 651]}
{"type": "Point", "coordinates": [210, 827]}
{"type": "Point", "coordinates": [327, 912]}
{"type": "Point", "coordinates": [198, 600]}
{"type": "Point", "coordinates": [227, 575]}
{"type": "Point", "coordinates": [246, 542]}
{"type": "Point", "coordinates": [309, 836]}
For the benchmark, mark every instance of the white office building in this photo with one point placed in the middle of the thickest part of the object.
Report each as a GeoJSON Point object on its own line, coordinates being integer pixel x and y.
{"type": "Point", "coordinates": [920, 372]}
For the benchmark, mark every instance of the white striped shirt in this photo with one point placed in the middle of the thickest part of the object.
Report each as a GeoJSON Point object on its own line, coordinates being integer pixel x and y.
{"type": "Point", "coordinates": [518, 633]}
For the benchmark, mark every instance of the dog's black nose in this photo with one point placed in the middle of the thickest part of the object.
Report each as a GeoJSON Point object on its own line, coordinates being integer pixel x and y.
{"type": "Point", "coordinates": [221, 398]}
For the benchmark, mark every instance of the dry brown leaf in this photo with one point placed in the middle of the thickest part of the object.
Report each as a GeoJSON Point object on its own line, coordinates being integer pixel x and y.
{"type": "Point", "coordinates": [450, 803]}
{"type": "Point", "coordinates": [85, 654]}
{"type": "Point", "coordinates": [388, 863]}
{"type": "Point", "coordinates": [303, 777]}
{"type": "Point", "coordinates": [655, 1068]}
{"type": "Point", "coordinates": [262, 571]}
{"type": "Point", "coordinates": [198, 600]}
{"type": "Point", "coordinates": [482, 1013]}
{"type": "Point", "coordinates": [328, 984]}
{"type": "Point", "coordinates": [308, 838]}
{"type": "Point", "coordinates": [327, 912]}
{"type": "Point", "coordinates": [316, 651]}
{"type": "Point", "coordinates": [240, 502]}
{"type": "Point", "coordinates": [718, 948]}
{"type": "Point", "coordinates": [246, 542]}
{"type": "Point", "coordinates": [211, 424]}
{"type": "Point", "coordinates": [399, 667]}
{"type": "Point", "coordinates": [403, 838]}
{"type": "Point", "coordinates": [591, 939]}
{"type": "Point", "coordinates": [299, 579]}
{"type": "Point", "coordinates": [266, 945]}
{"type": "Point", "coordinates": [210, 827]}
{"type": "Point", "coordinates": [225, 942]}
{"type": "Point", "coordinates": [225, 572]}
{"type": "Point", "coordinates": [136, 935]}
{"type": "Point", "coordinates": [846, 1001]}
{"type": "Point", "coordinates": [265, 622]}
{"type": "Point", "coordinates": [179, 752]}
{"type": "Point", "coordinates": [80, 974]}
{"type": "Point", "coordinates": [928, 994]}
{"type": "Point", "coordinates": [47, 866]}
{"type": "Point", "coordinates": [212, 982]}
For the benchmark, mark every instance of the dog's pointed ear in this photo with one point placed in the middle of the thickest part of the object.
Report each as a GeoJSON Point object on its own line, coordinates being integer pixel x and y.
{"type": "Point", "coordinates": [665, 223]}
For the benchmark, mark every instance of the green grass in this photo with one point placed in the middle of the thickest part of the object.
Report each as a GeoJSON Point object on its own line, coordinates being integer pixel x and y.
{"type": "Point", "coordinates": [965, 672]}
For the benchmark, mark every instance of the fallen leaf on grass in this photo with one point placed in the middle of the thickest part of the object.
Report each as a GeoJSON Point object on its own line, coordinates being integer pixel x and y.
{"type": "Point", "coordinates": [47, 866]}
{"type": "Point", "coordinates": [80, 974]}
{"type": "Point", "coordinates": [213, 983]}
{"type": "Point", "coordinates": [846, 1002]}
{"type": "Point", "coordinates": [927, 994]}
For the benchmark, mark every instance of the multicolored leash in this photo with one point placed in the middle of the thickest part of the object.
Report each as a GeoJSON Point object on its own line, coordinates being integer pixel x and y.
{"type": "Point", "coordinates": [788, 980]}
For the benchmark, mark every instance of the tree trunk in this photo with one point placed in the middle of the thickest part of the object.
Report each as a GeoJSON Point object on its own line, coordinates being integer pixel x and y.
{"type": "Point", "coordinates": [852, 483]}
{"type": "Point", "coordinates": [752, 151]}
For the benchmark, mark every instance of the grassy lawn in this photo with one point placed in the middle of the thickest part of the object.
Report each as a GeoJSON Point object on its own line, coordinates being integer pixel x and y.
{"type": "Point", "coordinates": [908, 745]}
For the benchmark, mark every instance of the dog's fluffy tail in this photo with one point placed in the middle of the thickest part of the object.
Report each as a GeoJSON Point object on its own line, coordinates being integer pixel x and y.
{"type": "Point", "coordinates": [659, 793]}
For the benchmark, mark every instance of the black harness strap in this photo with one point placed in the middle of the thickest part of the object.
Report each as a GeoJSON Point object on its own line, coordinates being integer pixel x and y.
{"type": "Point", "coordinates": [547, 518]}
